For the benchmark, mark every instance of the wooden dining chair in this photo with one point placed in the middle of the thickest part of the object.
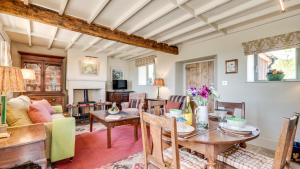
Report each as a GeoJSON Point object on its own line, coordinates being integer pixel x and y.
{"type": "Point", "coordinates": [242, 158]}
{"type": "Point", "coordinates": [157, 107]}
{"type": "Point", "coordinates": [155, 155]}
{"type": "Point", "coordinates": [230, 106]}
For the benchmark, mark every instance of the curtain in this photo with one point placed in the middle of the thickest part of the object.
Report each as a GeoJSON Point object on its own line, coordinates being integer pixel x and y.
{"type": "Point", "coordinates": [5, 57]}
{"type": "Point", "coordinates": [283, 41]}
{"type": "Point", "coordinates": [145, 61]}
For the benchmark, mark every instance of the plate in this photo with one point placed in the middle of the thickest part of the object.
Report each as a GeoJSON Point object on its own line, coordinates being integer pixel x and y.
{"type": "Point", "coordinates": [247, 129]}
{"type": "Point", "coordinates": [183, 129]}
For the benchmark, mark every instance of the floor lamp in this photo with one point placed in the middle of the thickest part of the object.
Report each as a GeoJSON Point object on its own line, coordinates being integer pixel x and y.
{"type": "Point", "coordinates": [159, 82]}
{"type": "Point", "coordinates": [11, 80]}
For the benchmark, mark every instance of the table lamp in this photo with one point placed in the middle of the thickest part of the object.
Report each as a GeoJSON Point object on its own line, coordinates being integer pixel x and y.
{"type": "Point", "coordinates": [159, 82]}
{"type": "Point", "coordinates": [11, 80]}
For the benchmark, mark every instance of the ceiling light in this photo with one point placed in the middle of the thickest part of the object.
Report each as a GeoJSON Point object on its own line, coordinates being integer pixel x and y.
{"type": "Point", "coordinates": [282, 5]}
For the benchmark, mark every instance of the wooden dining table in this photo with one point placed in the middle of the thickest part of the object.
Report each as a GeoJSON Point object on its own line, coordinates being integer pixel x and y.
{"type": "Point", "coordinates": [213, 141]}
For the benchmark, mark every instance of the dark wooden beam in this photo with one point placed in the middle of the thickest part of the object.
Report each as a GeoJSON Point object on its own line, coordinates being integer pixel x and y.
{"type": "Point", "coordinates": [43, 15]}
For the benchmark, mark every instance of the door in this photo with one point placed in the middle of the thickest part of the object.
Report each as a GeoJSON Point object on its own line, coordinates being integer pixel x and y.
{"type": "Point", "coordinates": [199, 74]}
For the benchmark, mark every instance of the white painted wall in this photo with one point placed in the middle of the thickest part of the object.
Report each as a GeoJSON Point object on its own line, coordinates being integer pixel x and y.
{"type": "Point", "coordinates": [117, 64]}
{"type": "Point", "coordinates": [266, 103]}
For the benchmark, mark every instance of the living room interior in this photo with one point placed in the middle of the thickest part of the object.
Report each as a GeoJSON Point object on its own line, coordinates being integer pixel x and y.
{"type": "Point", "coordinates": [148, 83]}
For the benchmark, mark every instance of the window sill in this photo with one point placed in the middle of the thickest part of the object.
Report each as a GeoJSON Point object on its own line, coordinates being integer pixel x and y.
{"type": "Point", "coordinates": [283, 81]}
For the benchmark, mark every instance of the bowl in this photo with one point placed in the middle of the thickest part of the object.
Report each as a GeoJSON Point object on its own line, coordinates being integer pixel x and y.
{"type": "Point", "coordinates": [236, 122]}
{"type": "Point", "coordinates": [113, 111]}
{"type": "Point", "coordinates": [175, 113]}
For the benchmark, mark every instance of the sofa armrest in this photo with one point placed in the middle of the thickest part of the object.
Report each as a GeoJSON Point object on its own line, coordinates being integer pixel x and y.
{"type": "Point", "coordinates": [63, 138]}
{"type": "Point", "coordinates": [125, 105]}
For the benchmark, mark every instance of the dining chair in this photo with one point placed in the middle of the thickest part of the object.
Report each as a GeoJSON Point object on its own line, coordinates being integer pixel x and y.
{"type": "Point", "coordinates": [242, 158]}
{"type": "Point", "coordinates": [155, 155]}
{"type": "Point", "coordinates": [157, 107]}
{"type": "Point", "coordinates": [231, 106]}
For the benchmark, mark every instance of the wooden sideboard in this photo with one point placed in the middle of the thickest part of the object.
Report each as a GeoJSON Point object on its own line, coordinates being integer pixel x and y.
{"type": "Point", "coordinates": [118, 97]}
{"type": "Point", "coordinates": [26, 143]}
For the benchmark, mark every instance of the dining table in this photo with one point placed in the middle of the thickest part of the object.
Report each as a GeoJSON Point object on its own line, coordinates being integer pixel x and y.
{"type": "Point", "coordinates": [212, 141]}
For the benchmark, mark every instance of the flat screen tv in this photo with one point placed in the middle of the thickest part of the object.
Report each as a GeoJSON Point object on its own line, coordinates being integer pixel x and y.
{"type": "Point", "coordinates": [119, 84]}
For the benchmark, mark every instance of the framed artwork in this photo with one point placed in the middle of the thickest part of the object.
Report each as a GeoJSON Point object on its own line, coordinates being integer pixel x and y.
{"type": "Point", "coordinates": [89, 65]}
{"type": "Point", "coordinates": [231, 66]}
{"type": "Point", "coordinates": [117, 74]}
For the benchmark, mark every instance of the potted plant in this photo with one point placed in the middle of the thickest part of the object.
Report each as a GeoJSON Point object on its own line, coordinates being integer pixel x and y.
{"type": "Point", "coordinates": [201, 96]}
{"type": "Point", "coordinates": [275, 75]}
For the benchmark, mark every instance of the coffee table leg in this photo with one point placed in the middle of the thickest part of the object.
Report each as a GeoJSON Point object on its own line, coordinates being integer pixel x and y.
{"type": "Point", "coordinates": [91, 122]}
{"type": "Point", "coordinates": [108, 132]}
{"type": "Point", "coordinates": [211, 157]}
{"type": "Point", "coordinates": [136, 132]}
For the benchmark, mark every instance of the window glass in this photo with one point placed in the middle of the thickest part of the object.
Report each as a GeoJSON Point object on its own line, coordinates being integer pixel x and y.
{"type": "Point", "coordinates": [284, 60]}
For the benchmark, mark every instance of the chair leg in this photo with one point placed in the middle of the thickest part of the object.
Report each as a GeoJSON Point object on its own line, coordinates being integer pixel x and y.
{"type": "Point", "coordinates": [243, 145]}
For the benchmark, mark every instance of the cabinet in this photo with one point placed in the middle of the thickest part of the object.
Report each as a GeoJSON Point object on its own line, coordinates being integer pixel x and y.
{"type": "Point", "coordinates": [49, 77]}
{"type": "Point", "coordinates": [118, 97]}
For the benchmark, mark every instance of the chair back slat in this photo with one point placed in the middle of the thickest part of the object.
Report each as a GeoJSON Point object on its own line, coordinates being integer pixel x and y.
{"type": "Point", "coordinates": [157, 107]}
{"type": "Point", "coordinates": [290, 151]}
{"type": "Point", "coordinates": [230, 106]}
{"type": "Point", "coordinates": [287, 136]}
{"type": "Point", "coordinates": [157, 126]}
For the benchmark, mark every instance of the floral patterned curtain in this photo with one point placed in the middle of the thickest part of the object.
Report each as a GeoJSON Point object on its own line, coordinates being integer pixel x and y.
{"type": "Point", "coordinates": [145, 60]}
{"type": "Point", "coordinates": [283, 41]}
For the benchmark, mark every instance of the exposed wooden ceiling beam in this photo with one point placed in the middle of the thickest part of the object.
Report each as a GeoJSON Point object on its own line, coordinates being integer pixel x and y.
{"type": "Point", "coordinates": [74, 39]}
{"type": "Point", "coordinates": [98, 10]}
{"type": "Point", "coordinates": [28, 30]}
{"type": "Point", "coordinates": [52, 37]}
{"type": "Point", "coordinates": [40, 14]}
{"type": "Point", "coordinates": [63, 7]}
{"type": "Point", "coordinates": [26, 2]}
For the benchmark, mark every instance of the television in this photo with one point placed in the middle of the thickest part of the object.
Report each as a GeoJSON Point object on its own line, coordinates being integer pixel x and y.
{"type": "Point", "coordinates": [119, 84]}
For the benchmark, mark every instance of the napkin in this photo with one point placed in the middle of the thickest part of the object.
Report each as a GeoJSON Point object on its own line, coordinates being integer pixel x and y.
{"type": "Point", "coordinates": [113, 117]}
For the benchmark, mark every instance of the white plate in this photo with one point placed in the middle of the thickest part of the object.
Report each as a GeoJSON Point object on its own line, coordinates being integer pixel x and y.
{"type": "Point", "coordinates": [246, 128]}
{"type": "Point", "coordinates": [183, 128]}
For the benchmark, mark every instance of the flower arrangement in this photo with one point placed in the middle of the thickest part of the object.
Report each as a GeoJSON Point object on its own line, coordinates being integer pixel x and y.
{"type": "Point", "coordinates": [275, 75]}
{"type": "Point", "coordinates": [201, 95]}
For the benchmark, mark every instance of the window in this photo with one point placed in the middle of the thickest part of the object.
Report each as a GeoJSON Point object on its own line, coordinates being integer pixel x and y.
{"type": "Point", "coordinates": [146, 74]}
{"type": "Point", "coordinates": [286, 60]}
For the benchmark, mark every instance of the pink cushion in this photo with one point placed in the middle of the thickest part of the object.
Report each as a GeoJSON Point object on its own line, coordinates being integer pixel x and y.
{"type": "Point", "coordinates": [45, 103]}
{"type": "Point", "coordinates": [39, 113]}
{"type": "Point", "coordinates": [172, 105]}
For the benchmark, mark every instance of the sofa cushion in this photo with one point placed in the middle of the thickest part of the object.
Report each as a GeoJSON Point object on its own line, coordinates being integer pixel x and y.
{"type": "Point", "coordinates": [172, 105]}
{"type": "Point", "coordinates": [46, 104]}
{"type": "Point", "coordinates": [134, 103]}
{"type": "Point", "coordinates": [17, 111]}
{"type": "Point", "coordinates": [39, 113]}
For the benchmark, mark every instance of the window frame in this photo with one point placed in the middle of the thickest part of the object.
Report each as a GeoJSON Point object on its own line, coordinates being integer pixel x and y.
{"type": "Point", "coordinates": [255, 73]}
{"type": "Point", "coordinates": [147, 74]}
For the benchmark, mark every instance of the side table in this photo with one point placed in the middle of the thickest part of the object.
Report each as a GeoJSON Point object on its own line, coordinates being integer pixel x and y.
{"type": "Point", "coordinates": [25, 144]}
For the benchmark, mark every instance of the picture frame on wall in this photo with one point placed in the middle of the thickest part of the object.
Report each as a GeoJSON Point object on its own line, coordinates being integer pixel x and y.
{"type": "Point", "coordinates": [117, 74]}
{"type": "Point", "coordinates": [89, 65]}
{"type": "Point", "coordinates": [231, 66]}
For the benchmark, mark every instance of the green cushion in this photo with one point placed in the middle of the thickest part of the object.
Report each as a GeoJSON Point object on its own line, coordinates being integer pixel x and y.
{"type": "Point", "coordinates": [57, 109]}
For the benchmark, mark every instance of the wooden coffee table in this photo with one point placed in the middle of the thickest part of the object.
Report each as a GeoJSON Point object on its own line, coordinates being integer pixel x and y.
{"type": "Point", "coordinates": [127, 119]}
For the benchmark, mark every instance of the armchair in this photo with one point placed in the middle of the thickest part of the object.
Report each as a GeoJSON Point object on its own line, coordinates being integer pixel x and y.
{"type": "Point", "coordinates": [135, 104]}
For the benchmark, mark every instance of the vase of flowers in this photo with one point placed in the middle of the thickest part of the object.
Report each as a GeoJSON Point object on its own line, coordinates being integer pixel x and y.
{"type": "Point", "coordinates": [200, 96]}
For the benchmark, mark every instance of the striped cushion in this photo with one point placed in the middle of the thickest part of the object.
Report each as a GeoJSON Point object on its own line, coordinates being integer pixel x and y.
{"type": "Point", "coordinates": [134, 103]}
{"type": "Point", "coordinates": [180, 99]}
{"type": "Point", "coordinates": [244, 159]}
{"type": "Point", "coordinates": [187, 160]}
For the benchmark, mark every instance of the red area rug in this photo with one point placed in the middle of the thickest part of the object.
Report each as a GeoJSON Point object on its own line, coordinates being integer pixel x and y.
{"type": "Point", "coordinates": [91, 150]}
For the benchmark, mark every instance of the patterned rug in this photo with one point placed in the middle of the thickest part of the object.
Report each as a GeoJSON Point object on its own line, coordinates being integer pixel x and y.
{"type": "Point", "coordinates": [133, 162]}
{"type": "Point", "coordinates": [84, 128]}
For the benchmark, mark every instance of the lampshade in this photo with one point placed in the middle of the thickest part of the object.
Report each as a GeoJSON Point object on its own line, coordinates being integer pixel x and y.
{"type": "Point", "coordinates": [159, 82]}
{"type": "Point", "coordinates": [11, 80]}
{"type": "Point", "coordinates": [28, 74]}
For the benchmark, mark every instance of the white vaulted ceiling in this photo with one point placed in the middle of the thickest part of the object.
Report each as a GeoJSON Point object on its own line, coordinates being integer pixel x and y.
{"type": "Point", "coordinates": [170, 21]}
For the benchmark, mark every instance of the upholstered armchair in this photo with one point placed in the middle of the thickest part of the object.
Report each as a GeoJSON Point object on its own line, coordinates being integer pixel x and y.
{"type": "Point", "coordinates": [135, 103]}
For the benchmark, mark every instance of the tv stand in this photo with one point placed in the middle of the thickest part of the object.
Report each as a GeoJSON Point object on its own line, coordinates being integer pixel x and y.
{"type": "Point", "coordinates": [118, 96]}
